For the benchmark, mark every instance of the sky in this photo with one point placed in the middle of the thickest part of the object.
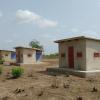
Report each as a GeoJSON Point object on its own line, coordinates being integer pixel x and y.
{"type": "Point", "coordinates": [22, 21]}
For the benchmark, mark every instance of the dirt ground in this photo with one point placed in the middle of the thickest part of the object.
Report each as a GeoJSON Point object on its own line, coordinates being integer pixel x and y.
{"type": "Point", "coordinates": [36, 84]}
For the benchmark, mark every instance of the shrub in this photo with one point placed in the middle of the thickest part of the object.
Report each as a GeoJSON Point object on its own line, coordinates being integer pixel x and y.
{"type": "Point", "coordinates": [0, 70]}
{"type": "Point", "coordinates": [17, 72]}
{"type": "Point", "coordinates": [1, 61]}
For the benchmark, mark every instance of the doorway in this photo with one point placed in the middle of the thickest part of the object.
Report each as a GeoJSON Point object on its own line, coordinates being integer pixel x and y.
{"type": "Point", "coordinates": [71, 57]}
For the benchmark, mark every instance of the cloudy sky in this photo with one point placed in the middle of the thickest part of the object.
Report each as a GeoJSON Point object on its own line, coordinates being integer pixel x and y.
{"type": "Point", "coordinates": [47, 20]}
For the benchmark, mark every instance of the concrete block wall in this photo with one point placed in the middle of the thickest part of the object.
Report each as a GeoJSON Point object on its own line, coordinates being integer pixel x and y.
{"type": "Point", "coordinates": [79, 46]}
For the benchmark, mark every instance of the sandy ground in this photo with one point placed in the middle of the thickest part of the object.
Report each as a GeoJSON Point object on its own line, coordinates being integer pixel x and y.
{"type": "Point", "coordinates": [36, 84]}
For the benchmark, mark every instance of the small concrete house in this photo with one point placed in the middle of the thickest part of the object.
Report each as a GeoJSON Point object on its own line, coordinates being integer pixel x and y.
{"type": "Point", "coordinates": [80, 56]}
{"type": "Point", "coordinates": [26, 55]}
{"type": "Point", "coordinates": [7, 55]}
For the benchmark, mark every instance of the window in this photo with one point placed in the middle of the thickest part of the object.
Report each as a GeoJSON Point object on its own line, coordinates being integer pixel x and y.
{"type": "Point", "coordinates": [96, 54]}
{"type": "Point", "coordinates": [29, 55]}
{"type": "Point", "coordinates": [76, 39]}
{"type": "Point", "coordinates": [63, 55]}
{"type": "Point", "coordinates": [21, 55]}
{"type": "Point", "coordinates": [79, 54]}
{"type": "Point", "coordinates": [6, 54]}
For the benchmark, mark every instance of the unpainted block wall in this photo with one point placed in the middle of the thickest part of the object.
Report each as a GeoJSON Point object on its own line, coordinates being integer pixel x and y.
{"type": "Point", "coordinates": [79, 46]}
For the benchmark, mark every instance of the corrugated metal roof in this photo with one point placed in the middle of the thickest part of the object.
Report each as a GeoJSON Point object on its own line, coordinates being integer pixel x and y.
{"type": "Point", "coordinates": [7, 50]}
{"type": "Point", "coordinates": [75, 38]}
{"type": "Point", "coordinates": [28, 48]}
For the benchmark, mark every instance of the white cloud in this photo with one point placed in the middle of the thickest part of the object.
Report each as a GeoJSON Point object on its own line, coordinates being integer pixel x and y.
{"type": "Point", "coordinates": [26, 16]}
{"type": "Point", "coordinates": [46, 23]}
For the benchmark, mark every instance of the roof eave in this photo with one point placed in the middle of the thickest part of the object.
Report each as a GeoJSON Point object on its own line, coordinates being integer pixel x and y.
{"type": "Point", "coordinates": [28, 48]}
{"type": "Point", "coordinates": [75, 38]}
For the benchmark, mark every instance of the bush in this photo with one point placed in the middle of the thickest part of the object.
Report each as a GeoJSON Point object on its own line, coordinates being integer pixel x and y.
{"type": "Point", "coordinates": [1, 61]}
{"type": "Point", "coordinates": [0, 70]}
{"type": "Point", "coordinates": [17, 72]}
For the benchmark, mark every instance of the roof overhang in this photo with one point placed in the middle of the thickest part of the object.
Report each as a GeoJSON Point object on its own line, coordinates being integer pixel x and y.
{"type": "Point", "coordinates": [76, 38]}
{"type": "Point", "coordinates": [28, 48]}
{"type": "Point", "coordinates": [7, 50]}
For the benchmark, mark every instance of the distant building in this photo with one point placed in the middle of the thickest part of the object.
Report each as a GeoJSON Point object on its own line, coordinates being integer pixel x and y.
{"type": "Point", "coordinates": [79, 56]}
{"type": "Point", "coordinates": [7, 55]}
{"type": "Point", "coordinates": [26, 55]}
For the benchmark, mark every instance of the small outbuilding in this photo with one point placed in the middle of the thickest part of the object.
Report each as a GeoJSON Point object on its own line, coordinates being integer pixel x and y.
{"type": "Point", "coordinates": [79, 56]}
{"type": "Point", "coordinates": [7, 55]}
{"type": "Point", "coordinates": [26, 55]}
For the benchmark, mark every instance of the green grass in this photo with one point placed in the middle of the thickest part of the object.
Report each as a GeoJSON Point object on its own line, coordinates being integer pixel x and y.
{"type": "Point", "coordinates": [1, 61]}
{"type": "Point", "coordinates": [17, 72]}
{"type": "Point", "coordinates": [1, 69]}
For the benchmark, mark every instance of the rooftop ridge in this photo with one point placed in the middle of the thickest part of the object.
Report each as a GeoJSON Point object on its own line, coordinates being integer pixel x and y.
{"type": "Point", "coordinates": [78, 37]}
{"type": "Point", "coordinates": [27, 48]}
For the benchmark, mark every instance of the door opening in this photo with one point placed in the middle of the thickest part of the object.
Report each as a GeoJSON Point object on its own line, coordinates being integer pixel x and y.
{"type": "Point", "coordinates": [71, 57]}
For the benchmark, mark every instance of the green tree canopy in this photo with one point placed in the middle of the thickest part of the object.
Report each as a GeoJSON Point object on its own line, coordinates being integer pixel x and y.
{"type": "Point", "coordinates": [35, 44]}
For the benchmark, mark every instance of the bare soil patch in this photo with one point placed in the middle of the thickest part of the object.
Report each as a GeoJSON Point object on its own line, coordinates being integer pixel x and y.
{"type": "Point", "coordinates": [36, 84]}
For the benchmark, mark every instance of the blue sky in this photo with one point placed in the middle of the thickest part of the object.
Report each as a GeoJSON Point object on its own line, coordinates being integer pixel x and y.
{"type": "Point", "coordinates": [46, 21]}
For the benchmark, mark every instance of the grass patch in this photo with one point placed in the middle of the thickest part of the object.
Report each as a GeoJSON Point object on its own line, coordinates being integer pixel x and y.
{"type": "Point", "coordinates": [1, 70]}
{"type": "Point", "coordinates": [17, 72]}
{"type": "Point", "coordinates": [1, 61]}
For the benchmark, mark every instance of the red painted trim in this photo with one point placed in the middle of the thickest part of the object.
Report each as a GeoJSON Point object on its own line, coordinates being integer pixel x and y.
{"type": "Point", "coordinates": [79, 54]}
{"type": "Point", "coordinates": [96, 54]}
{"type": "Point", "coordinates": [71, 57]}
{"type": "Point", "coordinates": [63, 55]}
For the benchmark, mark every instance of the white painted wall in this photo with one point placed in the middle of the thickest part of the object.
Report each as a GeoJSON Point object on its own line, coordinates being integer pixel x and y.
{"type": "Point", "coordinates": [29, 60]}
{"type": "Point", "coordinates": [93, 63]}
{"type": "Point", "coordinates": [21, 53]}
{"type": "Point", "coordinates": [8, 57]}
{"type": "Point", "coordinates": [79, 46]}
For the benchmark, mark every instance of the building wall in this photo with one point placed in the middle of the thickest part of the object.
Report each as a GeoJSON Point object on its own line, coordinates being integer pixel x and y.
{"type": "Point", "coordinates": [29, 56]}
{"type": "Point", "coordinates": [13, 56]}
{"type": "Point", "coordinates": [19, 55]}
{"type": "Point", "coordinates": [93, 60]}
{"type": "Point", "coordinates": [38, 56]}
{"type": "Point", "coordinates": [6, 55]}
{"type": "Point", "coordinates": [79, 46]}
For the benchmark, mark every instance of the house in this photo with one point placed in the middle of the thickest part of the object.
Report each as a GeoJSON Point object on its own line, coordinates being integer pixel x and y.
{"type": "Point", "coordinates": [79, 56]}
{"type": "Point", "coordinates": [7, 55]}
{"type": "Point", "coordinates": [26, 55]}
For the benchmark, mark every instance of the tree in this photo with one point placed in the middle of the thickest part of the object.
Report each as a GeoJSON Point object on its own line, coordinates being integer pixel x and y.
{"type": "Point", "coordinates": [35, 44]}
